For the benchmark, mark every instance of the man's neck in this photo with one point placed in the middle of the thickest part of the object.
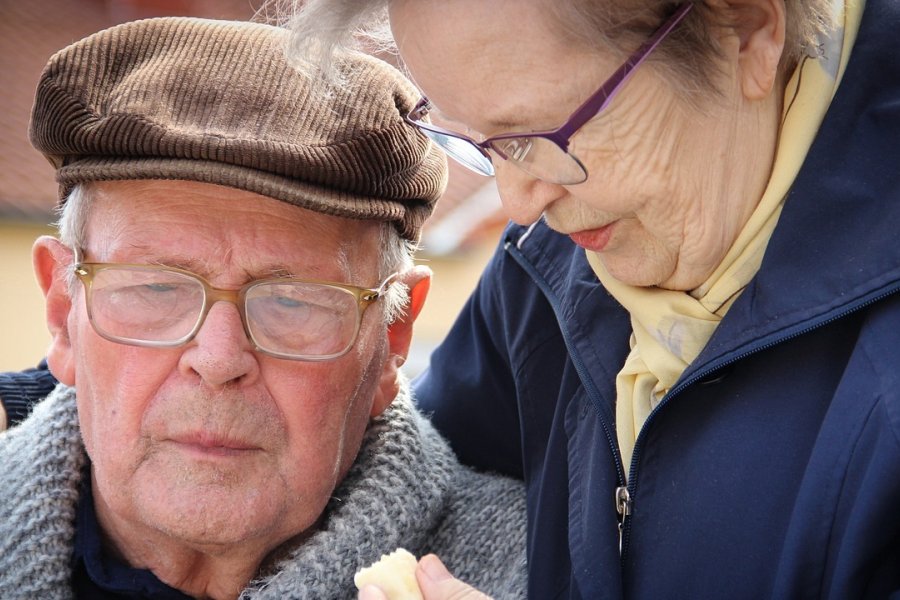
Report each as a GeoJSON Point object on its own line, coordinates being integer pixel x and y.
{"type": "Point", "coordinates": [195, 573]}
{"type": "Point", "coordinates": [200, 571]}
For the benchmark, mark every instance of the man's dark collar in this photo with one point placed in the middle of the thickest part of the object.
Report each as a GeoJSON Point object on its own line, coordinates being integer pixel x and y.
{"type": "Point", "coordinates": [98, 575]}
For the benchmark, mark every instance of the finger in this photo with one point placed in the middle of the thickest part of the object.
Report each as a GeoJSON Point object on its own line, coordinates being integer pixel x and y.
{"type": "Point", "coordinates": [437, 583]}
{"type": "Point", "coordinates": [371, 592]}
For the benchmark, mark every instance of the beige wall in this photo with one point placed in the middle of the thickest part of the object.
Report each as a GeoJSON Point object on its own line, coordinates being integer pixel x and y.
{"type": "Point", "coordinates": [454, 278]}
{"type": "Point", "coordinates": [22, 325]}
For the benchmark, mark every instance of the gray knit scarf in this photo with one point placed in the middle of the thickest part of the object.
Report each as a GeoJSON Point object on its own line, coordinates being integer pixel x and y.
{"type": "Point", "coordinates": [405, 489]}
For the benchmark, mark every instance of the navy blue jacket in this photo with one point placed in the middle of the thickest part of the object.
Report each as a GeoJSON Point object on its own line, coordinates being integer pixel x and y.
{"type": "Point", "coordinates": [772, 468]}
{"type": "Point", "coordinates": [20, 391]}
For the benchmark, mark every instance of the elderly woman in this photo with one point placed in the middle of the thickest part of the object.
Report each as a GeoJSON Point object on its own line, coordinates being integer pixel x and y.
{"type": "Point", "coordinates": [688, 344]}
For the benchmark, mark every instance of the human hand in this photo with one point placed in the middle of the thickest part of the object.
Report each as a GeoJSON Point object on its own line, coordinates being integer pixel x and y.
{"type": "Point", "coordinates": [2, 417]}
{"type": "Point", "coordinates": [435, 582]}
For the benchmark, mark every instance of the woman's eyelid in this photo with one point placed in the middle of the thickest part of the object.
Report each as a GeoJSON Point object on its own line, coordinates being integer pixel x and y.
{"type": "Point", "coordinates": [441, 120]}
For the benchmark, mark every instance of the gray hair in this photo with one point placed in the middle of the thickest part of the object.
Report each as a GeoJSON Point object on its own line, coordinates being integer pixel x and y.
{"type": "Point", "coordinates": [321, 26]}
{"type": "Point", "coordinates": [396, 254]}
{"type": "Point", "coordinates": [320, 29]}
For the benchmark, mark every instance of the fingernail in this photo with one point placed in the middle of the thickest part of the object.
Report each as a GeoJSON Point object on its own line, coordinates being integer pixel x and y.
{"type": "Point", "coordinates": [434, 568]}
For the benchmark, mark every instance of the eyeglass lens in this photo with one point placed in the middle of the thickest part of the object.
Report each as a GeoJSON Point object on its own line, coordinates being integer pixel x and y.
{"type": "Point", "coordinates": [301, 318]}
{"type": "Point", "coordinates": [537, 156]}
{"type": "Point", "coordinates": [462, 150]}
{"type": "Point", "coordinates": [541, 158]}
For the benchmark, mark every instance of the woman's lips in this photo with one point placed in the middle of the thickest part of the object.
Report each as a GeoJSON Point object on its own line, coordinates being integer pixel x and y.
{"type": "Point", "coordinates": [593, 239]}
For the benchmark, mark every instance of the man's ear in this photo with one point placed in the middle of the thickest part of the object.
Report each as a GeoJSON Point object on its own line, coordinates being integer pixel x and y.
{"type": "Point", "coordinates": [418, 280]}
{"type": "Point", "coordinates": [759, 26]}
{"type": "Point", "coordinates": [52, 261]}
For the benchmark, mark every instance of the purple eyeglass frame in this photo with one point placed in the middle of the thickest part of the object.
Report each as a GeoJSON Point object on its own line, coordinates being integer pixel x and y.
{"type": "Point", "coordinates": [591, 107]}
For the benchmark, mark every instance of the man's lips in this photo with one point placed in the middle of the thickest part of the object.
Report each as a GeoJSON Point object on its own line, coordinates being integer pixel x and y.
{"type": "Point", "coordinates": [593, 239]}
{"type": "Point", "coordinates": [211, 444]}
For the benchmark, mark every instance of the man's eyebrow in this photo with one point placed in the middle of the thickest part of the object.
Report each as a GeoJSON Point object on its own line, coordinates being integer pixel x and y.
{"type": "Point", "coordinates": [278, 273]}
{"type": "Point", "coordinates": [307, 268]}
{"type": "Point", "coordinates": [180, 262]}
{"type": "Point", "coordinates": [205, 269]}
{"type": "Point", "coordinates": [285, 272]}
{"type": "Point", "coordinates": [273, 270]}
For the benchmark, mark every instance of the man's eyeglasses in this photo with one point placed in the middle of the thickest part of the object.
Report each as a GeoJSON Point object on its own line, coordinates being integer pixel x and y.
{"type": "Point", "coordinates": [164, 307]}
{"type": "Point", "coordinates": [543, 154]}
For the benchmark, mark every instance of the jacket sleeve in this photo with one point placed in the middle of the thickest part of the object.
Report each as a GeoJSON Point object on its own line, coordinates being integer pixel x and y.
{"type": "Point", "coordinates": [20, 391]}
{"type": "Point", "coordinates": [468, 389]}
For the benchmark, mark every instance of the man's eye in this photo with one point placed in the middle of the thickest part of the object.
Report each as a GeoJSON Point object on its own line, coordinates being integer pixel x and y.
{"type": "Point", "coordinates": [288, 302]}
{"type": "Point", "coordinates": [160, 287]}
{"type": "Point", "coordinates": [291, 307]}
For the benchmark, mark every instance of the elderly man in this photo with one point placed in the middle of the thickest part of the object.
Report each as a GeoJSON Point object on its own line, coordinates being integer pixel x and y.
{"type": "Point", "coordinates": [229, 312]}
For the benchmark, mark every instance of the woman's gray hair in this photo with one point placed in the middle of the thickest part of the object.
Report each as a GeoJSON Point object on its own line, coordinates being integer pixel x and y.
{"type": "Point", "coordinates": [396, 252]}
{"type": "Point", "coordinates": [321, 29]}
{"type": "Point", "coordinates": [322, 26]}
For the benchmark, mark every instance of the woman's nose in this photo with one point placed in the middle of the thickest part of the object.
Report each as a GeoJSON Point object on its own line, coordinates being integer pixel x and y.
{"type": "Point", "coordinates": [524, 197]}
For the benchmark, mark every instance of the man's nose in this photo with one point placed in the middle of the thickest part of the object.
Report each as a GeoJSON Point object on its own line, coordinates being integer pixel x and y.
{"type": "Point", "coordinates": [524, 196]}
{"type": "Point", "coordinates": [220, 353]}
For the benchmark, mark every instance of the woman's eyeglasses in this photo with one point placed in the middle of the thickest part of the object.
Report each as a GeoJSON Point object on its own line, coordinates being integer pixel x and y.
{"type": "Point", "coordinates": [543, 154]}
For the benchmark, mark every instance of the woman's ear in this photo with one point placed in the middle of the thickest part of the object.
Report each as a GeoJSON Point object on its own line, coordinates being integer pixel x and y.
{"type": "Point", "coordinates": [418, 280]}
{"type": "Point", "coordinates": [760, 29]}
{"type": "Point", "coordinates": [52, 262]}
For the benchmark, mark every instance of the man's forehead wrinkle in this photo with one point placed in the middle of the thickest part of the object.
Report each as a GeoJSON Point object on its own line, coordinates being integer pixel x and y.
{"type": "Point", "coordinates": [210, 269]}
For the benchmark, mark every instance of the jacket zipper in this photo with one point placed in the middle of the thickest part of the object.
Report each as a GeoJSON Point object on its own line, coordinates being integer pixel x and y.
{"type": "Point", "coordinates": [623, 507]}
{"type": "Point", "coordinates": [580, 368]}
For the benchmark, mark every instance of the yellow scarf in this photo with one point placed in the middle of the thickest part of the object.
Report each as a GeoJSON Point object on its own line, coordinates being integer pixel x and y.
{"type": "Point", "coordinates": [670, 328]}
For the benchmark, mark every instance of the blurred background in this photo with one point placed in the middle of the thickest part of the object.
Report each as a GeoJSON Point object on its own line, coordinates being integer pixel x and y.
{"type": "Point", "coordinates": [456, 244]}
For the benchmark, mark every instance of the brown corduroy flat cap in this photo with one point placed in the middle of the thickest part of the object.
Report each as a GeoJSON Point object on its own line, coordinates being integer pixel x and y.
{"type": "Point", "coordinates": [217, 102]}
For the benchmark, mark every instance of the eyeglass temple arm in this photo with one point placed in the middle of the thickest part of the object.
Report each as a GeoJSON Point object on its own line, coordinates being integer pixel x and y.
{"type": "Point", "coordinates": [422, 108]}
{"type": "Point", "coordinates": [605, 94]}
{"type": "Point", "coordinates": [371, 295]}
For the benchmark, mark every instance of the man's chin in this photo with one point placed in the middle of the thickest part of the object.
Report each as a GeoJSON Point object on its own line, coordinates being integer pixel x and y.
{"type": "Point", "coordinates": [210, 516]}
{"type": "Point", "coordinates": [204, 503]}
